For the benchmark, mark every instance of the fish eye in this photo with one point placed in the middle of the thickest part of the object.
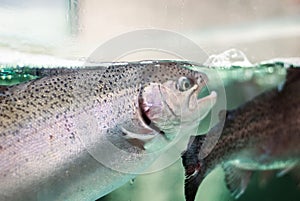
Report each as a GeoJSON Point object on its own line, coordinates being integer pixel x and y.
{"type": "Point", "coordinates": [184, 84]}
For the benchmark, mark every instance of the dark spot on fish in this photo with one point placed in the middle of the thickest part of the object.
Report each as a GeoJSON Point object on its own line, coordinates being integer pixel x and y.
{"type": "Point", "coordinates": [72, 136]}
{"type": "Point", "coordinates": [51, 137]}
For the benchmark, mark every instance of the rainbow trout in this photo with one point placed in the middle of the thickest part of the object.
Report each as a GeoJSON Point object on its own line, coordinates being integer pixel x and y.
{"type": "Point", "coordinates": [263, 134]}
{"type": "Point", "coordinates": [61, 134]}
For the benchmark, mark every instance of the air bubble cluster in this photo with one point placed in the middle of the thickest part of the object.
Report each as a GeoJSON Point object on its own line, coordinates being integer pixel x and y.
{"type": "Point", "coordinates": [228, 59]}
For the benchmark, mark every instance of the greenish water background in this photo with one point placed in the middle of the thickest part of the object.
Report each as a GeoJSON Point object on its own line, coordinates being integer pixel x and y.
{"type": "Point", "coordinates": [168, 185]}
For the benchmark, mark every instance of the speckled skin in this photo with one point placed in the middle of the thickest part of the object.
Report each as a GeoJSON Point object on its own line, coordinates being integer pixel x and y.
{"type": "Point", "coordinates": [263, 134]}
{"type": "Point", "coordinates": [44, 122]}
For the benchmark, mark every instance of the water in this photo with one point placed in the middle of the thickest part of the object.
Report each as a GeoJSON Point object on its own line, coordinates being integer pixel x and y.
{"type": "Point", "coordinates": [232, 65]}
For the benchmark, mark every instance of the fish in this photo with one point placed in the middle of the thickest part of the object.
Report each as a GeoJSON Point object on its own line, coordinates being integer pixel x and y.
{"type": "Point", "coordinates": [263, 134]}
{"type": "Point", "coordinates": [77, 134]}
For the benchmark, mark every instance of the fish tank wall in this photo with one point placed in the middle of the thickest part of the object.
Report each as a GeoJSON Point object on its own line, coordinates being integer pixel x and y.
{"type": "Point", "coordinates": [51, 32]}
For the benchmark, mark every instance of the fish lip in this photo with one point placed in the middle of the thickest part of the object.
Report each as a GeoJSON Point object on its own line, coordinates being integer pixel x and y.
{"type": "Point", "coordinates": [193, 96]}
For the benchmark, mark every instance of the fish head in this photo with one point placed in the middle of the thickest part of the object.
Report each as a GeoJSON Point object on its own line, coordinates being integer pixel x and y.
{"type": "Point", "coordinates": [173, 106]}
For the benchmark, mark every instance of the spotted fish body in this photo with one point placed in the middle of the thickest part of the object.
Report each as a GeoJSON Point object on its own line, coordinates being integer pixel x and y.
{"type": "Point", "coordinates": [49, 126]}
{"type": "Point", "coordinates": [264, 134]}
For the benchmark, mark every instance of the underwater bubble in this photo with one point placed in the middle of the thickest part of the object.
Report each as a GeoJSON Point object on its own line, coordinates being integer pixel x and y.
{"type": "Point", "coordinates": [227, 59]}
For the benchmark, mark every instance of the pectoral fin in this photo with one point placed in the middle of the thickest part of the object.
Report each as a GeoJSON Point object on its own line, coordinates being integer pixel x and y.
{"type": "Point", "coordinates": [236, 179]}
{"type": "Point", "coordinates": [286, 170]}
{"type": "Point", "coordinates": [138, 136]}
{"type": "Point", "coordinates": [137, 132]}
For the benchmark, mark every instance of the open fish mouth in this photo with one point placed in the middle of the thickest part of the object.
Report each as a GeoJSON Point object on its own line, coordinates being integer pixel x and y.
{"type": "Point", "coordinates": [143, 116]}
{"type": "Point", "coordinates": [164, 108]}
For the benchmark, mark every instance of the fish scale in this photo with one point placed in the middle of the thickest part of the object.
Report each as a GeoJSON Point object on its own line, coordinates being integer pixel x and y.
{"type": "Point", "coordinates": [47, 124]}
{"type": "Point", "coordinates": [263, 134]}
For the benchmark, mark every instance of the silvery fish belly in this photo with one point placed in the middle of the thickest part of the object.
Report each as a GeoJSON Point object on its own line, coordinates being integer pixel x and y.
{"type": "Point", "coordinates": [79, 134]}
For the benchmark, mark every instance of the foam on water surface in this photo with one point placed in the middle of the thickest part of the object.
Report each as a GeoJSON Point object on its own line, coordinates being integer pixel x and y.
{"type": "Point", "coordinates": [228, 59]}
